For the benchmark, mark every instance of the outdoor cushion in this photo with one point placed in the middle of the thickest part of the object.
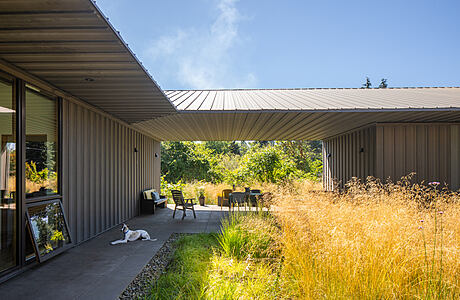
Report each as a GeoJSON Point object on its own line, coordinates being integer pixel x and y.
{"type": "Point", "coordinates": [148, 194]}
{"type": "Point", "coordinates": [155, 196]}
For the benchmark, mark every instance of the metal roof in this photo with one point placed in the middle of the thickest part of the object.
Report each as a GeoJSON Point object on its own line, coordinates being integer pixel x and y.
{"type": "Point", "coordinates": [72, 46]}
{"type": "Point", "coordinates": [281, 125]}
{"type": "Point", "coordinates": [315, 99]}
{"type": "Point", "coordinates": [298, 114]}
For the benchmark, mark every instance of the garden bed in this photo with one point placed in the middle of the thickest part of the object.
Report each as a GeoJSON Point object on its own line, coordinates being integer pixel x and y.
{"type": "Point", "coordinates": [140, 286]}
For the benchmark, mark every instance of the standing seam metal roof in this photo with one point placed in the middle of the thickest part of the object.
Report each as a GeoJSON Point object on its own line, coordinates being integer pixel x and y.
{"type": "Point", "coordinates": [315, 99]}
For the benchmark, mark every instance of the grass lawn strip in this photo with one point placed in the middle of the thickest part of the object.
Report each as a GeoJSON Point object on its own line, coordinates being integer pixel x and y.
{"type": "Point", "coordinates": [140, 286]}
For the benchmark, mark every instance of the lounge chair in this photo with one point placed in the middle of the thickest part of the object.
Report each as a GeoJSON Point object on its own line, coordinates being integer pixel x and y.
{"type": "Point", "coordinates": [179, 200]}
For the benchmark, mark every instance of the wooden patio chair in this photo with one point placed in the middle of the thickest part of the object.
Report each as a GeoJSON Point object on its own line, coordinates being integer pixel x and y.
{"type": "Point", "coordinates": [179, 200]}
{"type": "Point", "coordinates": [226, 197]}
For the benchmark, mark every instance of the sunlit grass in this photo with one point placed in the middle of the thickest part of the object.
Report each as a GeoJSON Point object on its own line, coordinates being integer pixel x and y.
{"type": "Point", "coordinates": [186, 276]}
{"type": "Point", "coordinates": [373, 242]}
{"type": "Point", "coordinates": [212, 191]}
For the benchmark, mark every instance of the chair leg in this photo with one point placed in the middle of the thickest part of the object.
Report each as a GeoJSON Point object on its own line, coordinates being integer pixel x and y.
{"type": "Point", "coordinates": [194, 215]}
{"type": "Point", "coordinates": [174, 213]}
{"type": "Point", "coordinates": [183, 216]}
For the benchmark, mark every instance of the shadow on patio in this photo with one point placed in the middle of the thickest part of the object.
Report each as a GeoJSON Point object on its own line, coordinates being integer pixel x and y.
{"type": "Point", "coordinates": [97, 270]}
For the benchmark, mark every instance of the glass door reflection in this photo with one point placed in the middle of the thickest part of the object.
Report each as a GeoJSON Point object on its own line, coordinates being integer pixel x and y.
{"type": "Point", "coordinates": [8, 215]}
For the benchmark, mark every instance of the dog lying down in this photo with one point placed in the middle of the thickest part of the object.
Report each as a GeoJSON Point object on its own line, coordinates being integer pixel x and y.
{"type": "Point", "coordinates": [133, 235]}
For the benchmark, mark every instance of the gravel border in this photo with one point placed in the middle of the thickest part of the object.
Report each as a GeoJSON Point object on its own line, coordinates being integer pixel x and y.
{"type": "Point", "coordinates": [140, 286]}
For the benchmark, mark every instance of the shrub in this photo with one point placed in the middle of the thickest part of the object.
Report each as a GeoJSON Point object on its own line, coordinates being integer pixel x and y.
{"type": "Point", "coordinates": [35, 176]}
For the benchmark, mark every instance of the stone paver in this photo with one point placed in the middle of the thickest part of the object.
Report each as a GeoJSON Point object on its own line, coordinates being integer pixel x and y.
{"type": "Point", "coordinates": [97, 270]}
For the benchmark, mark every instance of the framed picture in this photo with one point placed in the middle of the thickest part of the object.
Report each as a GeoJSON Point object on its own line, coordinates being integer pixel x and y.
{"type": "Point", "coordinates": [48, 228]}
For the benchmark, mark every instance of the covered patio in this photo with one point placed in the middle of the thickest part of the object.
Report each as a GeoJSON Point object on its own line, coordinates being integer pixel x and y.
{"type": "Point", "coordinates": [97, 270]}
{"type": "Point", "coordinates": [106, 117]}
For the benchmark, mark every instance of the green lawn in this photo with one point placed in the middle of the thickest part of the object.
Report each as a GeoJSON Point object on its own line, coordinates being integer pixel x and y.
{"type": "Point", "coordinates": [186, 275]}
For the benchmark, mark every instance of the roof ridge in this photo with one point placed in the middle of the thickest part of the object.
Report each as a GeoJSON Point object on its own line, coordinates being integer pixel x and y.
{"type": "Point", "coordinates": [293, 89]}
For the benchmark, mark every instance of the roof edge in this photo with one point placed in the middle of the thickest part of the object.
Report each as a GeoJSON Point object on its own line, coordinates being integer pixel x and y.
{"type": "Point", "coordinates": [133, 55]}
{"type": "Point", "coordinates": [302, 89]}
{"type": "Point", "coordinates": [234, 111]}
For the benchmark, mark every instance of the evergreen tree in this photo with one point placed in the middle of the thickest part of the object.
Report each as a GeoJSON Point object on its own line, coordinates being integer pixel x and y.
{"type": "Point", "coordinates": [367, 84]}
{"type": "Point", "coordinates": [383, 84]}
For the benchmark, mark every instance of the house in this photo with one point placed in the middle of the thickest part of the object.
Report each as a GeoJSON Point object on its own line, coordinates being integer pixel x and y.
{"type": "Point", "coordinates": [81, 122]}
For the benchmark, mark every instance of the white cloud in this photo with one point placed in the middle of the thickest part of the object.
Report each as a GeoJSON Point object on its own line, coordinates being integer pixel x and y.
{"type": "Point", "coordinates": [202, 59]}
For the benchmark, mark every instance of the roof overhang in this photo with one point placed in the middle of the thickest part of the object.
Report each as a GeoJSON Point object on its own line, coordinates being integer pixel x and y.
{"type": "Point", "coordinates": [298, 114]}
{"type": "Point", "coordinates": [72, 46]}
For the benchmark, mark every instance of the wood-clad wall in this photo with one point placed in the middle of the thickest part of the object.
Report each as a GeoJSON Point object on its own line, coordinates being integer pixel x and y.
{"type": "Point", "coordinates": [429, 150]}
{"type": "Point", "coordinates": [348, 155]}
{"type": "Point", "coordinates": [102, 175]}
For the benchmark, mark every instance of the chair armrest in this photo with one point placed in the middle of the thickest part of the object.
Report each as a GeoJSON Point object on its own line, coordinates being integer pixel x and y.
{"type": "Point", "coordinates": [189, 200]}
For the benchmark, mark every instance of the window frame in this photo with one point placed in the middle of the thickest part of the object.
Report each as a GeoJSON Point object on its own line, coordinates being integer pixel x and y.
{"type": "Point", "coordinates": [8, 78]}
{"type": "Point", "coordinates": [38, 256]}
{"type": "Point", "coordinates": [58, 195]}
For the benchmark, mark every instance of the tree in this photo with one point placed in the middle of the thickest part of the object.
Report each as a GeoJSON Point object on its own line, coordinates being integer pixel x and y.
{"type": "Point", "coordinates": [303, 153]}
{"type": "Point", "coordinates": [266, 164]}
{"type": "Point", "coordinates": [383, 84]}
{"type": "Point", "coordinates": [223, 147]}
{"type": "Point", "coordinates": [367, 84]}
{"type": "Point", "coordinates": [187, 161]}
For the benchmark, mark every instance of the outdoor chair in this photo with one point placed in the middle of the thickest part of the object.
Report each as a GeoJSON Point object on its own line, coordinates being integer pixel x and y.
{"type": "Point", "coordinates": [238, 198]}
{"type": "Point", "coordinates": [254, 197]}
{"type": "Point", "coordinates": [226, 197]}
{"type": "Point", "coordinates": [247, 192]}
{"type": "Point", "coordinates": [179, 200]}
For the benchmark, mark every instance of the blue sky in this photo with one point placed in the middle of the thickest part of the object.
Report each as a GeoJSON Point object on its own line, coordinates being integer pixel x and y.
{"type": "Point", "coordinates": [200, 44]}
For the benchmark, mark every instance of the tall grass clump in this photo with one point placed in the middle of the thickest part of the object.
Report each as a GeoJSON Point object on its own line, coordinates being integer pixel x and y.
{"type": "Point", "coordinates": [252, 234]}
{"type": "Point", "coordinates": [374, 241]}
{"type": "Point", "coordinates": [249, 264]}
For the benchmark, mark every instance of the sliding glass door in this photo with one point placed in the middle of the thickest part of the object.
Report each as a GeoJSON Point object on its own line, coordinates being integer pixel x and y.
{"type": "Point", "coordinates": [32, 222]}
{"type": "Point", "coordinates": [8, 195]}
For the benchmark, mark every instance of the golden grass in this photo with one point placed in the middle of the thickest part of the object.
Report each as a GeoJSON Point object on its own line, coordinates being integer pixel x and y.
{"type": "Point", "coordinates": [212, 190]}
{"type": "Point", "coordinates": [392, 241]}
{"type": "Point", "coordinates": [373, 242]}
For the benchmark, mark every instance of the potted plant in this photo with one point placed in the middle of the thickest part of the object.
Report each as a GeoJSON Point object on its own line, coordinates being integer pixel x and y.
{"type": "Point", "coordinates": [201, 197]}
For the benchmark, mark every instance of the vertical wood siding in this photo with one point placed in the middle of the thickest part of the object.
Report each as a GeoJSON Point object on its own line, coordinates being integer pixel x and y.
{"type": "Point", "coordinates": [429, 150]}
{"type": "Point", "coordinates": [348, 155]}
{"type": "Point", "coordinates": [102, 175]}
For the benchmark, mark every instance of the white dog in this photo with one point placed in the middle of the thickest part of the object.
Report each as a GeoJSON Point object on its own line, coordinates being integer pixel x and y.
{"type": "Point", "coordinates": [132, 235]}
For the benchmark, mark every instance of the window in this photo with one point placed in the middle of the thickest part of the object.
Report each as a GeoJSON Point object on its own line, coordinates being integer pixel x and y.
{"type": "Point", "coordinates": [41, 163]}
{"type": "Point", "coordinates": [48, 228]}
{"type": "Point", "coordinates": [8, 230]}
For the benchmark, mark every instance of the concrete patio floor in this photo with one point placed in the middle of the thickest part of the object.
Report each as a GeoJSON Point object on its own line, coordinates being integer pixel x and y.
{"type": "Point", "coordinates": [97, 270]}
